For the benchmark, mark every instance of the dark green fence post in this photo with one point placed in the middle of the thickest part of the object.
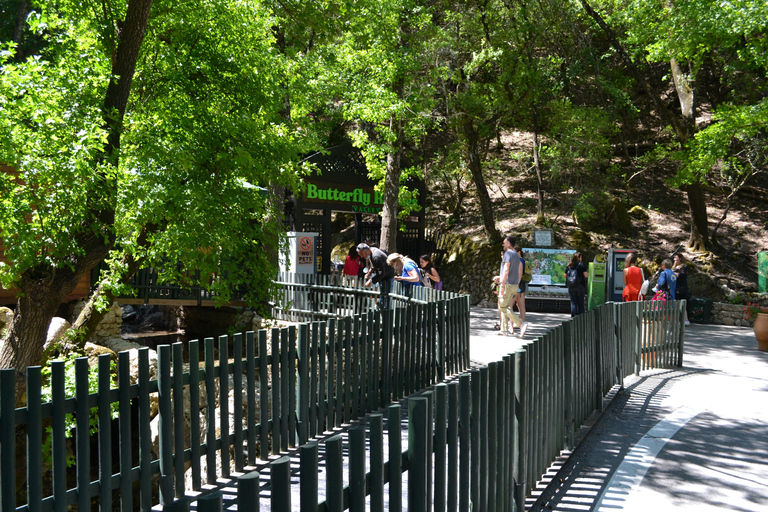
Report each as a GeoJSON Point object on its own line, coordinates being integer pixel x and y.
{"type": "Point", "coordinates": [178, 418]}
{"type": "Point", "coordinates": [211, 502]}
{"type": "Point", "coordinates": [210, 409]}
{"type": "Point", "coordinates": [493, 436]}
{"type": "Point", "coordinates": [224, 404]}
{"type": "Point", "coordinates": [263, 397]}
{"type": "Point", "coordinates": [475, 450]}
{"type": "Point", "coordinates": [34, 440]}
{"type": "Point", "coordinates": [105, 433]}
{"type": "Point", "coordinates": [441, 423]}
{"type": "Point", "coordinates": [302, 400]}
{"type": "Point", "coordinates": [521, 432]}
{"type": "Point", "coordinates": [58, 436]}
{"type": "Point", "coordinates": [83, 443]}
{"type": "Point", "coordinates": [194, 403]}
{"type": "Point", "coordinates": [357, 456]}
{"type": "Point", "coordinates": [465, 413]}
{"type": "Point", "coordinates": [417, 454]}
{"type": "Point", "coordinates": [395, 459]}
{"type": "Point", "coordinates": [568, 370]}
{"type": "Point", "coordinates": [165, 423]}
{"type": "Point", "coordinates": [145, 433]}
{"type": "Point", "coordinates": [308, 486]}
{"type": "Point", "coordinates": [8, 439]}
{"type": "Point", "coordinates": [376, 437]}
{"type": "Point", "coordinates": [237, 399]}
{"type": "Point", "coordinates": [681, 340]}
{"type": "Point", "coordinates": [124, 401]}
{"type": "Point", "coordinates": [334, 491]}
{"type": "Point", "coordinates": [248, 491]}
{"type": "Point", "coordinates": [595, 318]}
{"type": "Point", "coordinates": [280, 479]}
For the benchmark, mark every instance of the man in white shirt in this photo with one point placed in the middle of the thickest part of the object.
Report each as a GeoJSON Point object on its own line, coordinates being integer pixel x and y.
{"type": "Point", "coordinates": [508, 279]}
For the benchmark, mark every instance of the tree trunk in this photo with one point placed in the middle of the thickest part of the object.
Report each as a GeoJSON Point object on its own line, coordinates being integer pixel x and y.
{"type": "Point", "coordinates": [23, 343]}
{"type": "Point", "coordinates": [697, 207]}
{"type": "Point", "coordinates": [537, 166]}
{"type": "Point", "coordinates": [476, 168]}
{"type": "Point", "coordinates": [389, 212]}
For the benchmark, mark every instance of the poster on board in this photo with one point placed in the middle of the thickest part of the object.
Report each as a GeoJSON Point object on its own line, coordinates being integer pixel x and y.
{"type": "Point", "coordinates": [548, 269]}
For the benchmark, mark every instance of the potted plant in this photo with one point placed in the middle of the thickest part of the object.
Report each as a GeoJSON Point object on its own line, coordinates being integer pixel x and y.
{"type": "Point", "coordinates": [758, 313]}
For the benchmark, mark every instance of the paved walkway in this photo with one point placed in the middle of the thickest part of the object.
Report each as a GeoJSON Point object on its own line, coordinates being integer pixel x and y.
{"type": "Point", "coordinates": [693, 438]}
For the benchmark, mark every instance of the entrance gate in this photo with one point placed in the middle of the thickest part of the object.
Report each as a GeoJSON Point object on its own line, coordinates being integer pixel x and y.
{"type": "Point", "coordinates": [343, 185]}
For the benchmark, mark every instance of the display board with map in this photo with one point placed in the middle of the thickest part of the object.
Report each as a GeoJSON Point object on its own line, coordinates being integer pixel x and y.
{"type": "Point", "coordinates": [548, 269]}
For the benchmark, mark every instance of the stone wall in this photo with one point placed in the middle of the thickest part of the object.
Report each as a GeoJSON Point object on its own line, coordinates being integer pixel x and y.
{"type": "Point", "coordinates": [110, 325]}
{"type": "Point", "coordinates": [729, 314]}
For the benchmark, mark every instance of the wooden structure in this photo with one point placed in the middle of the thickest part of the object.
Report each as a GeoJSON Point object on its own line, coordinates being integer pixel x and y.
{"type": "Point", "coordinates": [484, 437]}
{"type": "Point", "coordinates": [343, 185]}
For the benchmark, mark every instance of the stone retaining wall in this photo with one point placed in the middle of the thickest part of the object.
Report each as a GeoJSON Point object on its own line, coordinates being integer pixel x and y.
{"type": "Point", "coordinates": [729, 314]}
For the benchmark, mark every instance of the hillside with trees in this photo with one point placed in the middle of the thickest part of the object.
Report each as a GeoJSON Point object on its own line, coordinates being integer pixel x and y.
{"type": "Point", "coordinates": [142, 130]}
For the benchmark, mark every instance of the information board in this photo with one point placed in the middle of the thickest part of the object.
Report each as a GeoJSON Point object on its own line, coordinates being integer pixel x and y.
{"type": "Point", "coordinates": [548, 269]}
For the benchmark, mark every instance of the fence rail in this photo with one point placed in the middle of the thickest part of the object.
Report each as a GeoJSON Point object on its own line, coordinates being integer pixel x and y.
{"type": "Point", "coordinates": [479, 442]}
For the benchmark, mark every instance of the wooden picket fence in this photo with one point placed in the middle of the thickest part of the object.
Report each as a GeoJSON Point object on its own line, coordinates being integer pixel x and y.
{"type": "Point", "coordinates": [295, 384]}
{"type": "Point", "coordinates": [309, 297]}
{"type": "Point", "coordinates": [476, 442]}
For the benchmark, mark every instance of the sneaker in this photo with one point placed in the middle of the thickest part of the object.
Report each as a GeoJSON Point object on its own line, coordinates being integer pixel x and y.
{"type": "Point", "coordinates": [523, 329]}
{"type": "Point", "coordinates": [687, 322]}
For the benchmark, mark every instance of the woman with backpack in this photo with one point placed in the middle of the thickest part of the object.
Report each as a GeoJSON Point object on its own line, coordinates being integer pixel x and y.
{"type": "Point", "coordinates": [425, 261]}
{"type": "Point", "coordinates": [576, 280]}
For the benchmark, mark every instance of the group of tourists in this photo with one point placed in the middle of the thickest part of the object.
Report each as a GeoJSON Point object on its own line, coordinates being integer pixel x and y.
{"type": "Point", "coordinates": [377, 267]}
{"type": "Point", "coordinates": [672, 283]}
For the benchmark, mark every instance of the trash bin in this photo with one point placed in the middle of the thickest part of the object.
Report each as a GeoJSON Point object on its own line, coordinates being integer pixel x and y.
{"type": "Point", "coordinates": [701, 309]}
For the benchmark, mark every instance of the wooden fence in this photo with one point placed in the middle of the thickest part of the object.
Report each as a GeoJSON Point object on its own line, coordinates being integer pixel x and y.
{"type": "Point", "coordinates": [484, 438]}
{"type": "Point", "coordinates": [294, 384]}
{"type": "Point", "coordinates": [480, 442]}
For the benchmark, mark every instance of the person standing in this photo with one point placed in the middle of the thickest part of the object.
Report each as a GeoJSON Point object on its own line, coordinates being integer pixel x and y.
{"type": "Point", "coordinates": [379, 272]}
{"type": "Point", "coordinates": [576, 280]}
{"type": "Point", "coordinates": [680, 268]}
{"type": "Point", "coordinates": [633, 279]}
{"type": "Point", "coordinates": [522, 287]}
{"type": "Point", "coordinates": [508, 279]}
{"type": "Point", "coordinates": [666, 285]}
{"type": "Point", "coordinates": [425, 261]}
{"type": "Point", "coordinates": [351, 266]}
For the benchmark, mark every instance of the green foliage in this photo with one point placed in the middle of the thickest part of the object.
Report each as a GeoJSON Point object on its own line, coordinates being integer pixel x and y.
{"type": "Point", "coordinates": [204, 125]}
{"type": "Point", "coordinates": [581, 143]}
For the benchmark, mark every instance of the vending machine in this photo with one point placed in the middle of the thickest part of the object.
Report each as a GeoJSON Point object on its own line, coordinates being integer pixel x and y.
{"type": "Point", "coordinates": [596, 285]}
{"type": "Point", "coordinates": [615, 273]}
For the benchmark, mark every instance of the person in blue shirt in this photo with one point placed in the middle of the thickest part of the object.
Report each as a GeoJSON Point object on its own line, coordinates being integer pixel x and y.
{"type": "Point", "coordinates": [406, 270]}
{"type": "Point", "coordinates": [667, 280]}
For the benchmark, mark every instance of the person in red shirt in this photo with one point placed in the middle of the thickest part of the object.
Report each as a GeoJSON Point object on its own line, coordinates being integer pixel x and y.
{"type": "Point", "coordinates": [352, 266]}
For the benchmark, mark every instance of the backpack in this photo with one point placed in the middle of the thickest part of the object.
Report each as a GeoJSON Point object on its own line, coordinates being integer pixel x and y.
{"type": "Point", "coordinates": [527, 275]}
{"type": "Point", "coordinates": [423, 279]}
{"type": "Point", "coordinates": [572, 278]}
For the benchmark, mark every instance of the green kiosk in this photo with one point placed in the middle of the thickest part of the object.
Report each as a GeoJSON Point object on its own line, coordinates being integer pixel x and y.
{"type": "Point", "coordinates": [596, 284]}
